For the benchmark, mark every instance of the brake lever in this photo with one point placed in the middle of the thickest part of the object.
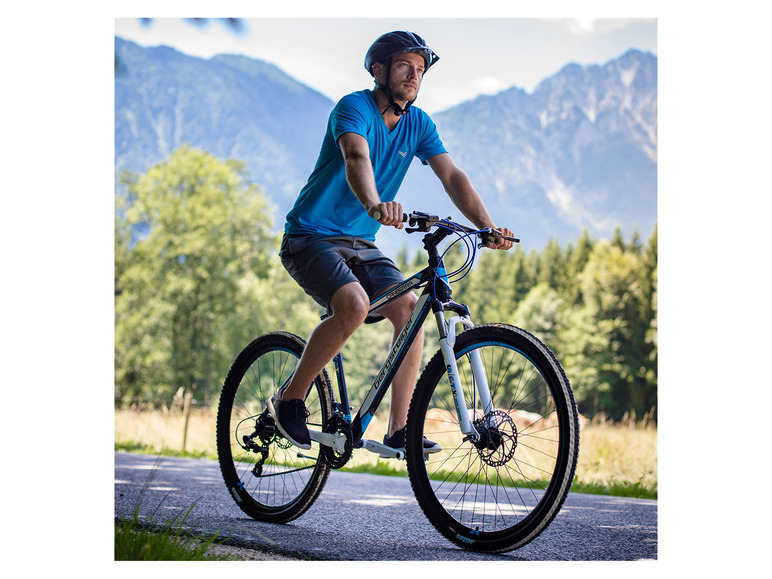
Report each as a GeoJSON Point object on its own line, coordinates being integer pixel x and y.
{"type": "Point", "coordinates": [489, 235]}
{"type": "Point", "coordinates": [419, 222]}
{"type": "Point", "coordinates": [418, 225]}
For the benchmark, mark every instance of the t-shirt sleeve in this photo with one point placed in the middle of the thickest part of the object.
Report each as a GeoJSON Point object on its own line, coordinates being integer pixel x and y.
{"type": "Point", "coordinates": [349, 116]}
{"type": "Point", "coordinates": [430, 145]}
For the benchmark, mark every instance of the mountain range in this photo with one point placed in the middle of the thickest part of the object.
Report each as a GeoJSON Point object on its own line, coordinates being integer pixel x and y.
{"type": "Point", "coordinates": [579, 152]}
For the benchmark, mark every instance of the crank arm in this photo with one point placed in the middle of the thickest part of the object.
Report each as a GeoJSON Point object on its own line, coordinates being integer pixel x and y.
{"type": "Point", "coordinates": [336, 441]}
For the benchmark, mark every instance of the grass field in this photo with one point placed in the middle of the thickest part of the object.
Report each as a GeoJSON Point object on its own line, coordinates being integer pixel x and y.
{"type": "Point", "coordinates": [615, 459]}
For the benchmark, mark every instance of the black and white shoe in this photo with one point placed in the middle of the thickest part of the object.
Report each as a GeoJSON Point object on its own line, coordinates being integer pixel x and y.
{"type": "Point", "coordinates": [290, 418]}
{"type": "Point", "coordinates": [397, 442]}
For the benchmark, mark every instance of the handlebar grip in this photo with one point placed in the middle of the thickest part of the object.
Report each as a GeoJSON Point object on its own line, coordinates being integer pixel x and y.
{"type": "Point", "coordinates": [377, 216]}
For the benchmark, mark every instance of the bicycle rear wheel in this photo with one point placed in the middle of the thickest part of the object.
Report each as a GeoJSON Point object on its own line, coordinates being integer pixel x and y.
{"type": "Point", "coordinates": [500, 492]}
{"type": "Point", "coordinates": [269, 478]}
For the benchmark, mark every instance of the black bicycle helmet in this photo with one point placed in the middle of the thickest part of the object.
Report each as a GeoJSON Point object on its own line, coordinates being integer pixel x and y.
{"type": "Point", "coordinates": [391, 44]}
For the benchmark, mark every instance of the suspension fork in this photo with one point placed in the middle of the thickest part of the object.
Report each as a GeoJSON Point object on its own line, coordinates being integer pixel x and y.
{"type": "Point", "coordinates": [447, 330]}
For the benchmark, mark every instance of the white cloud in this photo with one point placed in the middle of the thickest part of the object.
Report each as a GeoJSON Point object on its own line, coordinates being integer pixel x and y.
{"type": "Point", "coordinates": [591, 26]}
{"type": "Point", "coordinates": [488, 85]}
{"type": "Point", "coordinates": [582, 25]}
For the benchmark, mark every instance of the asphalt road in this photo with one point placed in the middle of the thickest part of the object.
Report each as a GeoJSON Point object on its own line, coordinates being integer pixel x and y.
{"type": "Point", "coordinates": [370, 517]}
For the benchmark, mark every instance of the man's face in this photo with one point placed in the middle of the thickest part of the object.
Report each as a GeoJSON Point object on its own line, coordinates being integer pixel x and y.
{"type": "Point", "coordinates": [407, 70]}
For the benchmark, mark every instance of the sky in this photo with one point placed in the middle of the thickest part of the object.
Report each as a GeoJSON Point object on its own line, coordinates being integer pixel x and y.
{"type": "Point", "coordinates": [477, 55]}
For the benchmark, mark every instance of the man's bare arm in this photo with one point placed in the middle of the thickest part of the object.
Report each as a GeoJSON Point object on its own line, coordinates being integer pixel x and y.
{"type": "Point", "coordinates": [464, 196]}
{"type": "Point", "coordinates": [361, 180]}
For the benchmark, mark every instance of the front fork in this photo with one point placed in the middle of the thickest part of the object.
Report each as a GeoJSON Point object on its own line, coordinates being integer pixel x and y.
{"type": "Point", "coordinates": [447, 329]}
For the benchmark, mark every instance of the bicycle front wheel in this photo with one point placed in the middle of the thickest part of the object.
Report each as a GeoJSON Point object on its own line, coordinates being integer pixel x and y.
{"type": "Point", "coordinates": [269, 478]}
{"type": "Point", "coordinates": [500, 491]}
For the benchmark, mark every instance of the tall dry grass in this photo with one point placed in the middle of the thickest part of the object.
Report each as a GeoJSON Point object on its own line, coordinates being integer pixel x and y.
{"type": "Point", "coordinates": [619, 458]}
{"type": "Point", "coordinates": [614, 458]}
{"type": "Point", "coordinates": [163, 431]}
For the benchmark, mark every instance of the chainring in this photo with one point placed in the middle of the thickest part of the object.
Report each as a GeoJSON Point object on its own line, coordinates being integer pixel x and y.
{"type": "Point", "coordinates": [337, 424]}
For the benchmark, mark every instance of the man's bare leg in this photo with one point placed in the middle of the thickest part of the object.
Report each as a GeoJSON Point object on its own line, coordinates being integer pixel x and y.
{"type": "Point", "coordinates": [405, 379]}
{"type": "Point", "coordinates": [349, 308]}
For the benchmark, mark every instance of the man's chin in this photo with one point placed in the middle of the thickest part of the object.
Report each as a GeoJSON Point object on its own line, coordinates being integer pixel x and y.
{"type": "Point", "coordinates": [404, 96]}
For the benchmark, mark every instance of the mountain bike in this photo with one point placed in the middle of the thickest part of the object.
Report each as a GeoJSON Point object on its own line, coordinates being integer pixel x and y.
{"type": "Point", "coordinates": [494, 397]}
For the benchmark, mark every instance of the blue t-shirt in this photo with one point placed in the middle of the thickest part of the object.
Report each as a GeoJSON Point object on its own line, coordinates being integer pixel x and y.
{"type": "Point", "coordinates": [326, 205]}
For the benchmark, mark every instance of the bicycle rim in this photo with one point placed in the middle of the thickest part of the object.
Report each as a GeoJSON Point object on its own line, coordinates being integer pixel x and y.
{"type": "Point", "coordinates": [268, 477]}
{"type": "Point", "coordinates": [501, 492]}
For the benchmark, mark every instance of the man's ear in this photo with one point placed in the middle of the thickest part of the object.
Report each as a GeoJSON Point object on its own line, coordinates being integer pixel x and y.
{"type": "Point", "coordinates": [379, 70]}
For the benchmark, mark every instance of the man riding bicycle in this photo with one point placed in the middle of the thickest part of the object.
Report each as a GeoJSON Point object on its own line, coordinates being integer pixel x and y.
{"type": "Point", "coordinates": [371, 139]}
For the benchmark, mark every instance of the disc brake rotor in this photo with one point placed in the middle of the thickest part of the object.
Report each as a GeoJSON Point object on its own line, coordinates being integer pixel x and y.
{"type": "Point", "coordinates": [498, 438]}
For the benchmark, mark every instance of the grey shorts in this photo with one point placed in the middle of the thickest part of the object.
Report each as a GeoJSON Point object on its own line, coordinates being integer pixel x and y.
{"type": "Point", "coordinates": [322, 265]}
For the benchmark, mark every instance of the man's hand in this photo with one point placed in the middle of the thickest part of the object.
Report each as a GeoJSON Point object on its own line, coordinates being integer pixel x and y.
{"type": "Point", "coordinates": [500, 242]}
{"type": "Point", "coordinates": [389, 213]}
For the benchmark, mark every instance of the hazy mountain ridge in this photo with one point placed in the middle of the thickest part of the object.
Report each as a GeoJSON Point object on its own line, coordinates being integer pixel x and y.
{"type": "Point", "coordinates": [579, 152]}
{"type": "Point", "coordinates": [232, 106]}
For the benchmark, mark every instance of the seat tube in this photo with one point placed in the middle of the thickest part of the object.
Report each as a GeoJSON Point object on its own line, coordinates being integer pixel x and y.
{"type": "Point", "coordinates": [342, 390]}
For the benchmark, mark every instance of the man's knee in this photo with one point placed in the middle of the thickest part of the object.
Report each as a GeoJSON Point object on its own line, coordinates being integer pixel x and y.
{"type": "Point", "coordinates": [399, 311]}
{"type": "Point", "coordinates": [350, 304]}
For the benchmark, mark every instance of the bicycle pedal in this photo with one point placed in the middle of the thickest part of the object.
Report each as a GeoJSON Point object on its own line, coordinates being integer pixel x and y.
{"type": "Point", "coordinates": [382, 450]}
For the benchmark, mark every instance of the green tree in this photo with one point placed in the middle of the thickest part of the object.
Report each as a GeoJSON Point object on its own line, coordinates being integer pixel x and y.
{"type": "Point", "coordinates": [551, 264]}
{"type": "Point", "coordinates": [488, 289]}
{"type": "Point", "coordinates": [541, 313]}
{"type": "Point", "coordinates": [649, 270]}
{"type": "Point", "coordinates": [177, 284]}
{"type": "Point", "coordinates": [618, 239]}
{"type": "Point", "coordinates": [576, 260]}
{"type": "Point", "coordinates": [265, 303]}
{"type": "Point", "coordinates": [604, 345]}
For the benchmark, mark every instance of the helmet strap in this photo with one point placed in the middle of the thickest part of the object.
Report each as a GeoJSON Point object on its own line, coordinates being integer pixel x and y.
{"type": "Point", "coordinates": [398, 110]}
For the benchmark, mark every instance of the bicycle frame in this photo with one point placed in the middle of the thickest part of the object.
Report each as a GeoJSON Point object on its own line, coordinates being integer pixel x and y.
{"type": "Point", "coordinates": [436, 297]}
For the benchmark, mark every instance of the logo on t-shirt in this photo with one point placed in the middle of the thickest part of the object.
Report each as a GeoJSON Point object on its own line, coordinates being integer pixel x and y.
{"type": "Point", "coordinates": [403, 153]}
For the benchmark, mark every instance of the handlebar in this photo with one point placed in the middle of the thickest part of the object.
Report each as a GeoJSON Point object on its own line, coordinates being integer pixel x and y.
{"type": "Point", "coordinates": [419, 221]}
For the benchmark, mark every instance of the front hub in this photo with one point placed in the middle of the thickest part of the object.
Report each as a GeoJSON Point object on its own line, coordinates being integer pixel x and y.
{"type": "Point", "coordinates": [497, 440]}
